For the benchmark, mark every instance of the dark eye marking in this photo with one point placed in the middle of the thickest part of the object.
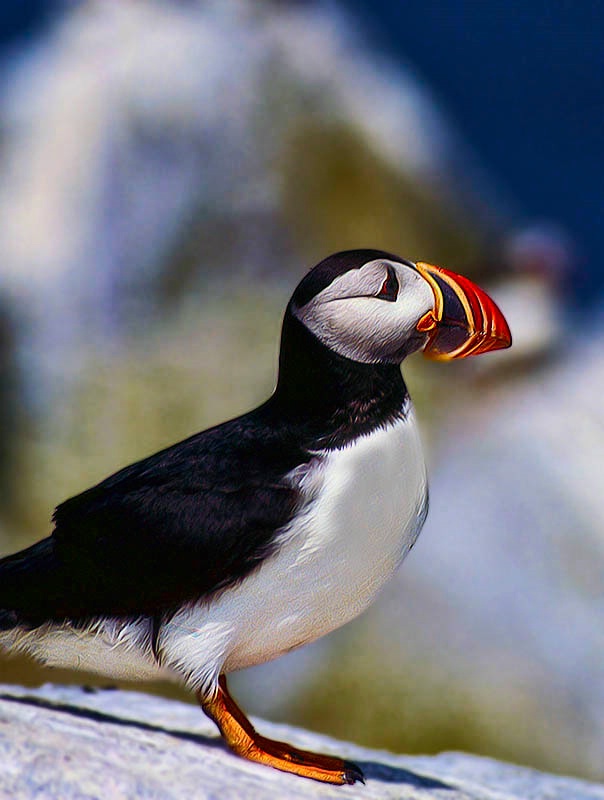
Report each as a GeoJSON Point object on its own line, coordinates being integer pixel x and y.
{"type": "Point", "coordinates": [389, 290]}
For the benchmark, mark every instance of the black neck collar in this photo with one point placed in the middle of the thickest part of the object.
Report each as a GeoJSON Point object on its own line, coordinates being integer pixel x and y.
{"type": "Point", "coordinates": [332, 397]}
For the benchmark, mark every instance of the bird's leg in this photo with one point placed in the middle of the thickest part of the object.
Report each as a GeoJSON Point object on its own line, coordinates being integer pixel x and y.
{"type": "Point", "coordinates": [240, 735]}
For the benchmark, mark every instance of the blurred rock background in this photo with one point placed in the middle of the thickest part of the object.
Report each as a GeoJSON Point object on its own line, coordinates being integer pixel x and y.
{"type": "Point", "coordinates": [168, 172]}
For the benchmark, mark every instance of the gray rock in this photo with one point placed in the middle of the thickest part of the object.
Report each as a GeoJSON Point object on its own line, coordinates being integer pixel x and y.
{"type": "Point", "coordinates": [59, 742]}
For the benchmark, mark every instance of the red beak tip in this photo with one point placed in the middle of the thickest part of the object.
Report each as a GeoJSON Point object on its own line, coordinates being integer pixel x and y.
{"type": "Point", "coordinates": [486, 327]}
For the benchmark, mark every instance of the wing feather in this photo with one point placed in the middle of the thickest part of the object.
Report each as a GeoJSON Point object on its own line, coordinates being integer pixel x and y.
{"type": "Point", "coordinates": [177, 526]}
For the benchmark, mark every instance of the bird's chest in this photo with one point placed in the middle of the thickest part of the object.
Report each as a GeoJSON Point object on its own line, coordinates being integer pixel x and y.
{"type": "Point", "coordinates": [363, 508]}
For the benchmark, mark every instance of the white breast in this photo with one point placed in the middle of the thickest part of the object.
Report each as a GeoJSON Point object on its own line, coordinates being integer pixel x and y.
{"type": "Point", "coordinates": [365, 505]}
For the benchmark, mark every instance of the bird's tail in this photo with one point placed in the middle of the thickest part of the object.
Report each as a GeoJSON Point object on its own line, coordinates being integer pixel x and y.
{"type": "Point", "coordinates": [24, 584]}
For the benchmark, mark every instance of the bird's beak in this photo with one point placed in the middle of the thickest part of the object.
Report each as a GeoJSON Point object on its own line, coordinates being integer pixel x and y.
{"type": "Point", "coordinates": [464, 321]}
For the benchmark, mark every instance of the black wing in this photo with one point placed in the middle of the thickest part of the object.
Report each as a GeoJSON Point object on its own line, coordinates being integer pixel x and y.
{"type": "Point", "coordinates": [179, 525]}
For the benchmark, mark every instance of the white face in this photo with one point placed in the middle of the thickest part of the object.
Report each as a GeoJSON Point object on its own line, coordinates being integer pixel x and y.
{"type": "Point", "coordinates": [351, 318]}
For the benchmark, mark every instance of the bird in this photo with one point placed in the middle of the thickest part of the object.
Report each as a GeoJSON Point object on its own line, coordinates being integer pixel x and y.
{"type": "Point", "coordinates": [265, 532]}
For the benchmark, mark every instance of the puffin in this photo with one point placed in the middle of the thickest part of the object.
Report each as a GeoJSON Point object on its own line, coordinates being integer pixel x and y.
{"type": "Point", "coordinates": [265, 532]}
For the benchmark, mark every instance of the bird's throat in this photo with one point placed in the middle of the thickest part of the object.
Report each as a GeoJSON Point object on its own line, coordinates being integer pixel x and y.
{"type": "Point", "coordinates": [338, 397]}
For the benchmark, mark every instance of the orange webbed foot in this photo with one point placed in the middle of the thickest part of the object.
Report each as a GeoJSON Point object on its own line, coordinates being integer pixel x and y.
{"type": "Point", "coordinates": [242, 738]}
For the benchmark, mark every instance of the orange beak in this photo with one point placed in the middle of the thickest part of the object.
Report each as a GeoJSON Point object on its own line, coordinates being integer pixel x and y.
{"type": "Point", "coordinates": [464, 321]}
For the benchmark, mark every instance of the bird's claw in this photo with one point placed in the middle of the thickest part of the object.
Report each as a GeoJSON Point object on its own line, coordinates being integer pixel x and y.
{"type": "Point", "coordinates": [352, 773]}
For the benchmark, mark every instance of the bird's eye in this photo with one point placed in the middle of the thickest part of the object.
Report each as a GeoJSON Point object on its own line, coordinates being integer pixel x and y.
{"type": "Point", "coordinates": [389, 288]}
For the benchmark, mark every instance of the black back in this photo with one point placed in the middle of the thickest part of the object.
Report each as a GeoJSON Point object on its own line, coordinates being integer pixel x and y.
{"type": "Point", "coordinates": [200, 515]}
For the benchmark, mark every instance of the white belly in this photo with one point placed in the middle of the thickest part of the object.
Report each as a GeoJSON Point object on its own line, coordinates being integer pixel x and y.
{"type": "Point", "coordinates": [365, 507]}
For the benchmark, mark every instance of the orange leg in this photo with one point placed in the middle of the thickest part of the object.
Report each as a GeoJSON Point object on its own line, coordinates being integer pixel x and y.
{"type": "Point", "coordinates": [240, 735]}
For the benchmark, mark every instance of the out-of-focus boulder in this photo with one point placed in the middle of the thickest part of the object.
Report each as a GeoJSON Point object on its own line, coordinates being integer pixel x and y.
{"type": "Point", "coordinates": [148, 147]}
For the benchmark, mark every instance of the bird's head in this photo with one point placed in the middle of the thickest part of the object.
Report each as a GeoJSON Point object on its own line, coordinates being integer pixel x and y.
{"type": "Point", "coordinates": [374, 307]}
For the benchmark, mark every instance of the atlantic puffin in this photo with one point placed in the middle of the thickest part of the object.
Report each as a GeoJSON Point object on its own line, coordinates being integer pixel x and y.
{"type": "Point", "coordinates": [265, 532]}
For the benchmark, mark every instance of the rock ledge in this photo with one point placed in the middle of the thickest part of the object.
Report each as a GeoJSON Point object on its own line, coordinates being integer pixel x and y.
{"type": "Point", "coordinates": [67, 743]}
